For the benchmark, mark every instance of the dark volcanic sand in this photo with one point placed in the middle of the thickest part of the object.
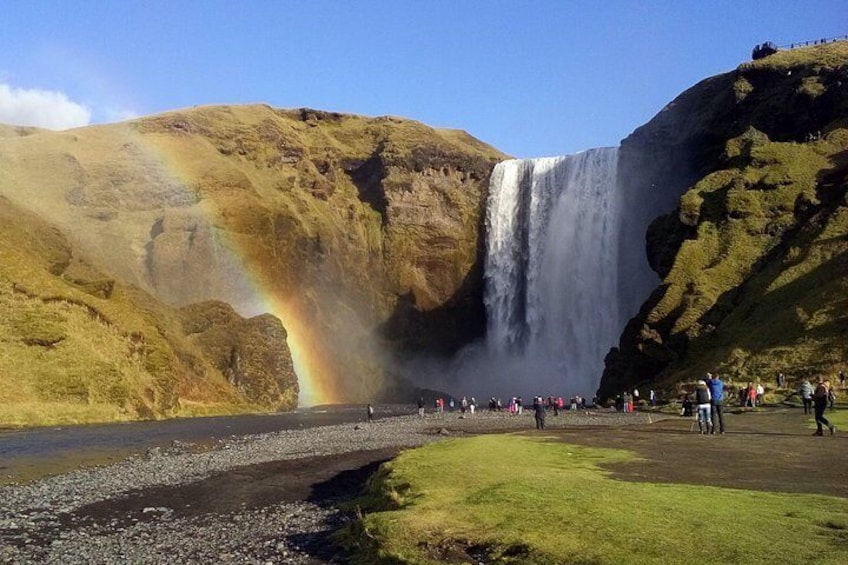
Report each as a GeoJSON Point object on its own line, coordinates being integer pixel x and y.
{"type": "Point", "coordinates": [770, 451]}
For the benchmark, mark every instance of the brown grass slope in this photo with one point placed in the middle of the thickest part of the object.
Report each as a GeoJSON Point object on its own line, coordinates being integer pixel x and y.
{"type": "Point", "coordinates": [754, 259]}
{"type": "Point", "coordinates": [360, 233]}
{"type": "Point", "coordinates": [78, 346]}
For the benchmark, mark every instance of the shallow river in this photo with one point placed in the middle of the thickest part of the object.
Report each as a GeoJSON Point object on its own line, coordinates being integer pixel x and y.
{"type": "Point", "coordinates": [31, 453]}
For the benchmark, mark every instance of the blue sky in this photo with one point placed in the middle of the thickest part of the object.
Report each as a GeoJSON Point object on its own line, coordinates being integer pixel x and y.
{"type": "Point", "coordinates": [532, 78]}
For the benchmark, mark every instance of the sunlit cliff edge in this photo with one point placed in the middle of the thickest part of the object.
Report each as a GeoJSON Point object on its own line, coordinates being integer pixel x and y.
{"type": "Point", "coordinates": [753, 253]}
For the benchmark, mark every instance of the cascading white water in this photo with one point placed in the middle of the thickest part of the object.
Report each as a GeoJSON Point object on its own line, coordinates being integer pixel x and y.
{"type": "Point", "coordinates": [553, 228]}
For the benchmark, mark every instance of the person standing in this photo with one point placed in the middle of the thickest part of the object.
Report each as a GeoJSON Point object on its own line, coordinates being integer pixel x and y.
{"type": "Point", "coordinates": [752, 395]}
{"type": "Point", "coordinates": [686, 407]}
{"type": "Point", "coordinates": [702, 401]}
{"type": "Point", "coordinates": [370, 412]}
{"type": "Point", "coordinates": [820, 401]}
{"type": "Point", "coordinates": [420, 406]}
{"type": "Point", "coordinates": [716, 388]}
{"type": "Point", "coordinates": [806, 392]}
{"type": "Point", "coordinates": [539, 412]}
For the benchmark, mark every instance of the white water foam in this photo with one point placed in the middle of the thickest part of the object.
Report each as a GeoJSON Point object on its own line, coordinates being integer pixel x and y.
{"type": "Point", "coordinates": [553, 228]}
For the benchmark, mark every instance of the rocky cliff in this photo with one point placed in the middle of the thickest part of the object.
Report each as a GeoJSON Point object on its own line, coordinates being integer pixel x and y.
{"type": "Point", "coordinates": [753, 255]}
{"type": "Point", "coordinates": [361, 235]}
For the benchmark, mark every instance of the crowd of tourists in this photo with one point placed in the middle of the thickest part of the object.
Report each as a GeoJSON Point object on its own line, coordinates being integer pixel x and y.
{"type": "Point", "coordinates": [468, 405]}
{"type": "Point", "coordinates": [707, 401]}
{"type": "Point", "coordinates": [705, 404]}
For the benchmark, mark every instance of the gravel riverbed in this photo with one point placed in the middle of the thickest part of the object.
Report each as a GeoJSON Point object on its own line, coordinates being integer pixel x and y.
{"type": "Point", "coordinates": [98, 515]}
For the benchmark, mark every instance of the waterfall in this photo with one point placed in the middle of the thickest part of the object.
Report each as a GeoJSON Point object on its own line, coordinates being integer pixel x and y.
{"type": "Point", "coordinates": [551, 272]}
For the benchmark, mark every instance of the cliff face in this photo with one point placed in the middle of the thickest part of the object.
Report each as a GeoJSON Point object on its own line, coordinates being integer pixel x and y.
{"type": "Point", "coordinates": [753, 256]}
{"type": "Point", "coordinates": [360, 234]}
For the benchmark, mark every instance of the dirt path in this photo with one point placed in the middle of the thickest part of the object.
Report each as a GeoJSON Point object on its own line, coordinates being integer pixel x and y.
{"type": "Point", "coordinates": [767, 451]}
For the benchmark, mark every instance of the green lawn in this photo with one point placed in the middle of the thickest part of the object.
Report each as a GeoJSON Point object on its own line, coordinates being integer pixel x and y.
{"type": "Point", "coordinates": [515, 499]}
{"type": "Point", "coordinates": [838, 418]}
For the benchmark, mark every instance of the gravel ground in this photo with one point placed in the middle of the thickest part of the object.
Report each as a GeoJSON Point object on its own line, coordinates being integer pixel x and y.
{"type": "Point", "coordinates": [53, 520]}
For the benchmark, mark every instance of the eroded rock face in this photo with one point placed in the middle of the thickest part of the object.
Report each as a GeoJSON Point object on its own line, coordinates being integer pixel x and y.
{"type": "Point", "coordinates": [748, 171]}
{"type": "Point", "coordinates": [250, 353]}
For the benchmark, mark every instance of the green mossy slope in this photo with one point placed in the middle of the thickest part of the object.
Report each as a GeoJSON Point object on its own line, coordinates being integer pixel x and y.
{"type": "Point", "coordinates": [754, 259]}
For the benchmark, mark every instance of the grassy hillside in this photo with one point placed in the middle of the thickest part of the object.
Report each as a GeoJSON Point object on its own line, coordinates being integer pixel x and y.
{"type": "Point", "coordinates": [754, 259]}
{"type": "Point", "coordinates": [77, 346]}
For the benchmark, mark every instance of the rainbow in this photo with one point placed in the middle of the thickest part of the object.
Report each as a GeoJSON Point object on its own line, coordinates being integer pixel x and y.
{"type": "Point", "coordinates": [312, 361]}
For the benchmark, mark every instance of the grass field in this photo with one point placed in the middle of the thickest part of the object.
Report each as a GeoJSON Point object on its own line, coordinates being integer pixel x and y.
{"type": "Point", "coordinates": [516, 499]}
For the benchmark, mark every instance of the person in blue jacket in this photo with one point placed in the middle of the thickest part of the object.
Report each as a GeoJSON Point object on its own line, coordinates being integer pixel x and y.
{"type": "Point", "coordinates": [716, 398]}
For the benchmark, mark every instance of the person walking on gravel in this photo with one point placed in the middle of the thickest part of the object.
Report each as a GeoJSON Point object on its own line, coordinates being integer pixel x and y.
{"type": "Point", "coordinates": [820, 402]}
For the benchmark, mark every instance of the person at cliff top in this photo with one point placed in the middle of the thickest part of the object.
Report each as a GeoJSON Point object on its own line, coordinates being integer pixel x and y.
{"type": "Point", "coordinates": [716, 398]}
{"type": "Point", "coordinates": [820, 402]}
{"type": "Point", "coordinates": [702, 401]}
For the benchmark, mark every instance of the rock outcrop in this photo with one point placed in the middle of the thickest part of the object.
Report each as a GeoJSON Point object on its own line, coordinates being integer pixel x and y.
{"type": "Point", "coordinates": [753, 256]}
{"type": "Point", "coordinates": [251, 354]}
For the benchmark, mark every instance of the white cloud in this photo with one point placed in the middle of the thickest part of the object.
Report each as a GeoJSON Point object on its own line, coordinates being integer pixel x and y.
{"type": "Point", "coordinates": [41, 108]}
